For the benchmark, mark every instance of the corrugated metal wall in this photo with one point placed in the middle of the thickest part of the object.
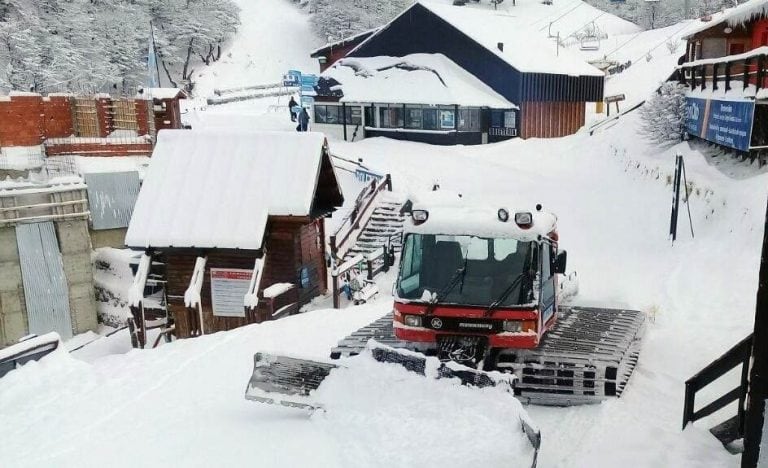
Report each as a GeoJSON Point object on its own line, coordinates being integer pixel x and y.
{"type": "Point", "coordinates": [45, 286]}
{"type": "Point", "coordinates": [111, 197]}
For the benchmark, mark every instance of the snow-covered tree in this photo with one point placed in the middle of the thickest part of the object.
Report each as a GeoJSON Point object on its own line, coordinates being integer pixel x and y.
{"type": "Point", "coordinates": [336, 19]}
{"type": "Point", "coordinates": [663, 114]}
{"type": "Point", "coordinates": [93, 45]}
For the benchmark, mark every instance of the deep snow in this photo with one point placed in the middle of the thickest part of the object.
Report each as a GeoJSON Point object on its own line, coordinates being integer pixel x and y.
{"type": "Point", "coordinates": [612, 194]}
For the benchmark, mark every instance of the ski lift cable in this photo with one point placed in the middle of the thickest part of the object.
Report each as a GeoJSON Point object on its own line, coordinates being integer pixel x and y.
{"type": "Point", "coordinates": [654, 47]}
{"type": "Point", "coordinates": [585, 24]}
{"type": "Point", "coordinates": [561, 16]}
{"type": "Point", "coordinates": [547, 17]}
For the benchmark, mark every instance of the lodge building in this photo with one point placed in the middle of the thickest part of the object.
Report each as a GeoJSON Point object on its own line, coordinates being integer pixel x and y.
{"type": "Point", "coordinates": [725, 70]}
{"type": "Point", "coordinates": [447, 74]}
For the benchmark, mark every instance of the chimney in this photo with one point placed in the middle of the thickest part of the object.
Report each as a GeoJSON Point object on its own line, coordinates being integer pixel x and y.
{"type": "Point", "coordinates": [500, 45]}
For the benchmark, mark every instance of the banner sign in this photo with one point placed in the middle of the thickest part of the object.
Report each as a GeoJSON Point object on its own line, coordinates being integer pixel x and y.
{"type": "Point", "coordinates": [308, 83]}
{"type": "Point", "coordinates": [727, 123]}
{"type": "Point", "coordinates": [228, 289]}
{"type": "Point", "coordinates": [292, 78]}
{"type": "Point", "coordinates": [307, 101]}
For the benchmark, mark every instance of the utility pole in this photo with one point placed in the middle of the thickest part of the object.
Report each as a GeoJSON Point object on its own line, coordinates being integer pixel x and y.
{"type": "Point", "coordinates": [758, 380]}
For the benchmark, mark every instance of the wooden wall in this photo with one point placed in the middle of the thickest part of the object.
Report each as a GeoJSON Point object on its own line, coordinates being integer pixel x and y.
{"type": "Point", "coordinates": [551, 119]}
{"type": "Point", "coordinates": [291, 244]}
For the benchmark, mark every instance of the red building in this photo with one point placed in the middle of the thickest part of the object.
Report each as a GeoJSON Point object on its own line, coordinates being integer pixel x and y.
{"type": "Point", "coordinates": [99, 125]}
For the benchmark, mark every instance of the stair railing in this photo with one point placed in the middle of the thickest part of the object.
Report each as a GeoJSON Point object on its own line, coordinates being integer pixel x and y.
{"type": "Point", "coordinates": [353, 224]}
{"type": "Point", "coordinates": [739, 355]}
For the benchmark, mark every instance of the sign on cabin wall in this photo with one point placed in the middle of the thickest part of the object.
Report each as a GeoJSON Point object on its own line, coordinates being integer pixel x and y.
{"type": "Point", "coordinates": [228, 289]}
{"type": "Point", "coordinates": [447, 119]}
{"type": "Point", "coordinates": [727, 123]}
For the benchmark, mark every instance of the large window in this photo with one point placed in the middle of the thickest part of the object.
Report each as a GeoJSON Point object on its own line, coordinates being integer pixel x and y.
{"type": "Point", "coordinates": [391, 116]}
{"type": "Point", "coordinates": [467, 269]}
{"type": "Point", "coordinates": [334, 114]}
{"type": "Point", "coordinates": [469, 120]}
{"type": "Point", "coordinates": [413, 116]}
{"type": "Point", "coordinates": [429, 116]}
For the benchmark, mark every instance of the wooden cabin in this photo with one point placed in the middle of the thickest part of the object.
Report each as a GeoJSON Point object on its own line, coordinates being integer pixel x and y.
{"type": "Point", "coordinates": [238, 222]}
{"type": "Point", "coordinates": [546, 87]}
{"type": "Point", "coordinates": [725, 68]}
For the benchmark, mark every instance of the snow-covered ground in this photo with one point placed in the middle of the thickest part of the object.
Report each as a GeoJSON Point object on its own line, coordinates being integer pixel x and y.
{"type": "Point", "coordinates": [182, 404]}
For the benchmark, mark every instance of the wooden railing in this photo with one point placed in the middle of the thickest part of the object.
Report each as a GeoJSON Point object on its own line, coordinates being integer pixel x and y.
{"type": "Point", "coordinates": [372, 264]}
{"type": "Point", "coordinates": [353, 224]}
{"type": "Point", "coordinates": [739, 355]}
{"type": "Point", "coordinates": [721, 75]}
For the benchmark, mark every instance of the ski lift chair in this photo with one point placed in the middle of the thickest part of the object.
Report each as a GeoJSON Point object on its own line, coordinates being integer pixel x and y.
{"type": "Point", "coordinates": [590, 43]}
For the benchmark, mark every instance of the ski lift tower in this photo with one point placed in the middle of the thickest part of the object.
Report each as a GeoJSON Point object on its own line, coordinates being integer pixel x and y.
{"type": "Point", "coordinates": [653, 12]}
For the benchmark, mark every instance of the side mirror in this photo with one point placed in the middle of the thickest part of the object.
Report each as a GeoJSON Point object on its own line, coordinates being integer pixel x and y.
{"type": "Point", "coordinates": [560, 262]}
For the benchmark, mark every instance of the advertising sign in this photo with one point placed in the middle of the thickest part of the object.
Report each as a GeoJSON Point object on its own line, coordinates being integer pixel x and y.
{"type": "Point", "coordinates": [308, 83]}
{"type": "Point", "coordinates": [727, 123]}
{"type": "Point", "coordinates": [228, 289]}
{"type": "Point", "coordinates": [292, 78]}
{"type": "Point", "coordinates": [447, 119]}
{"type": "Point", "coordinates": [307, 101]}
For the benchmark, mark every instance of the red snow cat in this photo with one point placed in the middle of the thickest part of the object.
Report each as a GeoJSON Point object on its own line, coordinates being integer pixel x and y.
{"type": "Point", "coordinates": [479, 291]}
{"type": "Point", "coordinates": [477, 284]}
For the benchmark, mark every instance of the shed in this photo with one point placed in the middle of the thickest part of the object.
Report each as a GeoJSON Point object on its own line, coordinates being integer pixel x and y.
{"type": "Point", "coordinates": [230, 214]}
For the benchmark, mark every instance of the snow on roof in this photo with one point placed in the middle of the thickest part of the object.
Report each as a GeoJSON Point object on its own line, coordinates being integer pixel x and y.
{"type": "Point", "coordinates": [413, 79]}
{"type": "Point", "coordinates": [215, 189]}
{"type": "Point", "coordinates": [343, 42]}
{"type": "Point", "coordinates": [525, 48]}
{"type": "Point", "coordinates": [161, 93]}
{"type": "Point", "coordinates": [731, 58]}
{"type": "Point", "coordinates": [735, 16]}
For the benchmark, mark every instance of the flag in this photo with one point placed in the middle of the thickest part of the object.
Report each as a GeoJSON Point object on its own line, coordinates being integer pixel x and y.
{"type": "Point", "coordinates": [153, 80]}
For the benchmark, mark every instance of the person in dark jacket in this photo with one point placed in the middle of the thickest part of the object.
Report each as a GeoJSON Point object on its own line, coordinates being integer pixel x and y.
{"type": "Point", "coordinates": [291, 105]}
{"type": "Point", "coordinates": [303, 120]}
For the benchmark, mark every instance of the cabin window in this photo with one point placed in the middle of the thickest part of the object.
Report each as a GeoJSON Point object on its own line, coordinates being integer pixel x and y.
{"type": "Point", "coordinates": [413, 116]}
{"type": "Point", "coordinates": [736, 48]}
{"type": "Point", "coordinates": [391, 117]}
{"type": "Point", "coordinates": [354, 115]}
{"type": "Point", "coordinates": [469, 120]}
{"type": "Point", "coordinates": [327, 114]}
{"type": "Point", "coordinates": [503, 119]}
{"type": "Point", "coordinates": [429, 116]}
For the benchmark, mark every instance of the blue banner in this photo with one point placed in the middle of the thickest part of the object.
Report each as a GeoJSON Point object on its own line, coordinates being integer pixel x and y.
{"type": "Point", "coordinates": [727, 123]}
{"type": "Point", "coordinates": [308, 83]}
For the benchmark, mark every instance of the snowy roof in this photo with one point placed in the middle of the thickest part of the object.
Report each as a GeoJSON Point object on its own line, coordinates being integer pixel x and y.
{"type": "Point", "coordinates": [413, 79]}
{"type": "Point", "coordinates": [342, 42]}
{"type": "Point", "coordinates": [162, 93]}
{"type": "Point", "coordinates": [451, 215]}
{"type": "Point", "coordinates": [525, 49]}
{"type": "Point", "coordinates": [735, 16]}
{"type": "Point", "coordinates": [216, 189]}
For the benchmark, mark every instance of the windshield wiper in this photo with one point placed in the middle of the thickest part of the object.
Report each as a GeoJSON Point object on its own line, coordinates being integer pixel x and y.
{"type": "Point", "coordinates": [504, 295]}
{"type": "Point", "coordinates": [457, 275]}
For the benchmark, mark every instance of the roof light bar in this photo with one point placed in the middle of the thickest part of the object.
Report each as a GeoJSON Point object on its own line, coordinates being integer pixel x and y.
{"type": "Point", "coordinates": [503, 215]}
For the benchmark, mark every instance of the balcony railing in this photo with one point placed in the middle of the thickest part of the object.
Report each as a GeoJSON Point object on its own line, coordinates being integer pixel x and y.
{"type": "Point", "coordinates": [743, 72]}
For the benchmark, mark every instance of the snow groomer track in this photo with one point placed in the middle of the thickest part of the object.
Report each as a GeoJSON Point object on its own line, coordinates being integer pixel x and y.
{"type": "Point", "coordinates": [587, 357]}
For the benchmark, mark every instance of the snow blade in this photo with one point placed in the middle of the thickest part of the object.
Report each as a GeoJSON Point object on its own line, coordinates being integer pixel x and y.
{"type": "Point", "coordinates": [286, 381]}
{"type": "Point", "coordinates": [418, 363]}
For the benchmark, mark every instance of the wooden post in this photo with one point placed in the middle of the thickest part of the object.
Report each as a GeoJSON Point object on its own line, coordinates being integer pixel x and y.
{"type": "Point", "coordinates": [715, 67]}
{"type": "Point", "coordinates": [745, 76]}
{"type": "Point", "coordinates": [344, 119]}
{"type": "Point", "coordinates": [335, 286]}
{"type": "Point", "coordinates": [727, 76]}
{"type": "Point", "coordinates": [758, 382]}
{"type": "Point", "coordinates": [760, 72]}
